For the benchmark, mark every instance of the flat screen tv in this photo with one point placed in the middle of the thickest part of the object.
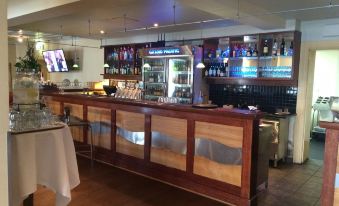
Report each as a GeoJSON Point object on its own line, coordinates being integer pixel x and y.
{"type": "Point", "coordinates": [55, 60]}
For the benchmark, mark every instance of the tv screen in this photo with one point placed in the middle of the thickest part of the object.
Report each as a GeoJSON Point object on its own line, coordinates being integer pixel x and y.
{"type": "Point", "coordinates": [55, 60]}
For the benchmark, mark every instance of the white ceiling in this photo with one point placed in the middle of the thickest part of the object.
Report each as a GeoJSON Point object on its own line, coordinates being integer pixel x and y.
{"type": "Point", "coordinates": [70, 17]}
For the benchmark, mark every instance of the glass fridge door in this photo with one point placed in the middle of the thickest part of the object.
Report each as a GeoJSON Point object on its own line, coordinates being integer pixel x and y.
{"type": "Point", "coordinates": [154, 78]}
{"type": "Point", "coordinates": [180, 79]}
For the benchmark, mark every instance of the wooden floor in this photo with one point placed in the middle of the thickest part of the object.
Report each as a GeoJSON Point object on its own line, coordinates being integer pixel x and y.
{"type": "Point", "coordinates": [290, 185]}
{"type": "Point", "coordinates": [105, 185]}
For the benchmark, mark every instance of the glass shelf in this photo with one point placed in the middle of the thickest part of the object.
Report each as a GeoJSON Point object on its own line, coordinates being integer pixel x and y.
{"type": "Point", "coordinates": [274, 57]}
{"type": "Point", "coordinates": [243, 58]}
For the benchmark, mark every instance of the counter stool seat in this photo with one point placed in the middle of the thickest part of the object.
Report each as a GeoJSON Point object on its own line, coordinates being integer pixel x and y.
{"type": "Point", "coordinates": [76, 122]}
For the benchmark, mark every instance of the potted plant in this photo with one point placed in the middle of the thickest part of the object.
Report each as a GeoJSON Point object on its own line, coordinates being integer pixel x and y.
{"type": "Point", "coordinates": [26, 83]}
{"type": "Point", "coordinates": [28, 63]}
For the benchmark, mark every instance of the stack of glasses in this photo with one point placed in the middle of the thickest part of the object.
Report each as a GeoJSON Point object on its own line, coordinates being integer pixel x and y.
{"type": "Point", "coordinates": [32, 119]}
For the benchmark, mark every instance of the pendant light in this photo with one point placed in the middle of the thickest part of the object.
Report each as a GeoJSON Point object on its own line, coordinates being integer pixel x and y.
{"type": "Point", "coordinates": [201, 65]}
{"type": "Point", "coordinates": [75, 65]}
{"type": "Point", "coordinates": [147, 66]}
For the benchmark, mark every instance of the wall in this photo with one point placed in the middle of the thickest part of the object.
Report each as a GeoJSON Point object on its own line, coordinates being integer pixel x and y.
{"type": "Point", "coordinates": [90, 55]}
{"type": "Point", "coordinates": [326, 74]}
{"type": "Point", "coordinates": [4, 104]}
{"type": "Point", "coordinates": [316, 35]}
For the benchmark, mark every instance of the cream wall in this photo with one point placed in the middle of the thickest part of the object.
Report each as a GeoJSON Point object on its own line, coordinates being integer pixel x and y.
{"type": "Point", "coordinates": [4, 104]}
{"type": "Point", "coordinates": [316, 35]}
{"type": "Point", "coordinates": [305, 93]}
{"type": "Point", "coordinates": [326, 74]}
{"type": "Point", "coordinates": [90, 55]}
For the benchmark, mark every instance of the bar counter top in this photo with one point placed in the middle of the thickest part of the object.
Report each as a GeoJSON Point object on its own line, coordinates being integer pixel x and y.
{"type": "Point", "coordinates": [235, 113]}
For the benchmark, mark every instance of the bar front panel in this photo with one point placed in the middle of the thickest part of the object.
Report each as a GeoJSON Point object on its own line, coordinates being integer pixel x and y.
{"type": "Point", "coordinates": [100, 120]}
{"type": "Point", "coordinates": [77, 112]}
{"type": "Point", "coordinates": [130, 134]}
{"type": "Point", "coordinates": [169, 141]}
{"type": "Point", "coordinates": [218, 152]}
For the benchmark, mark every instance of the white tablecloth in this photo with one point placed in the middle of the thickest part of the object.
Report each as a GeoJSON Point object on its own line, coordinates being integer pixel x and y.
{"type": "Point", "coordinates": [46, 158]}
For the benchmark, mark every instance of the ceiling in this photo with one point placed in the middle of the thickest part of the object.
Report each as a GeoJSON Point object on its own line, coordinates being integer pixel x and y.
{"type": "Point", "coordinates": [86, 18]}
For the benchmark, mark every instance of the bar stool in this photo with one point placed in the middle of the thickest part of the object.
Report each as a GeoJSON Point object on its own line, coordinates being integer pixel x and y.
{"type": "Point", "coordinates": [72, 121]}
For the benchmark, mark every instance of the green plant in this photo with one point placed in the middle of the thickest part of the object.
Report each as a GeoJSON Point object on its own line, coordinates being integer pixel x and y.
{"type": "Point", "coordinates": [28, 63]}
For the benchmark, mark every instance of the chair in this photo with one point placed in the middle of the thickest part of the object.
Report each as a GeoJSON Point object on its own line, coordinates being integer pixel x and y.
{"type": "Point", "coordinates": [72, 121]}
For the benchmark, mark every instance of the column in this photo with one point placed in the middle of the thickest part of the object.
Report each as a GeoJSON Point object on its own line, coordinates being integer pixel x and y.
{"type": "Point", "coordinates": [4, 103]}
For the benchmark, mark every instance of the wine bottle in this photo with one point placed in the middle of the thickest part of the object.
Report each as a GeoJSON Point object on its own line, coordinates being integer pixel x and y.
{"type": "Point", "coordinates": [265, 49]}
{"type": "Point", "coordinates": [255, 51]}
{"type": "Point", "coordinates": [282, 47]}
{"type": "Point", "coordinates": [249, 52]}
{"type": "Point", "coordinates": [290, 51]}
{"type": "Point", "coordinates": [275, 48]}
{"type": "Point", "coordinates": [206, 73]}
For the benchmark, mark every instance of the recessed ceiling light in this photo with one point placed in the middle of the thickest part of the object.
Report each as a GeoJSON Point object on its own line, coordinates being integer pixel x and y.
{"type": "Point", "coordinates": [102, 31]}
{"type": "Point", "coordinates": [20, 39]}
{"type": "Point", "coordinates": [155, 24]}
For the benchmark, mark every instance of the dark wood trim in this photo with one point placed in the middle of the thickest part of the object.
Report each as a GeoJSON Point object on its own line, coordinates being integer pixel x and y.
{"type": "Point", "coordinates": [85, 118]}
{"type": "Point", "coordinates": [62, 107]}
{"type": "Point", "coordinates": [190, 146]}
{"type": "Point", "coordinates": [148, 138]}
{"type": "Point", "coordinates": [113, 131]}
{"type": "Point", "coordinates": [330, 166]}
{"type": "Point", "coordinates": [147, 107]}
{"type": "Point", "coordinates": [249, 148]}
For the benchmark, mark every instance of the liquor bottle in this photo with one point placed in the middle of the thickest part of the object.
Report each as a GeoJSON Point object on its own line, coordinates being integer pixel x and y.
{"type": "Point", "coordinates": [214, 72]}
{"type": "Point", "coordinates": [121, 54]}
{"type": "Point", "coordinates": [249, 52]}
{"type": "Point", "coordinates": [234, 52]}
{"type": "Point", "coordinates": [206, 73]}
{"type": "Point", "coordinates": [125, 54]}
{"type": "Point", "coordinates": [116, 54]}
{"type": "Point", "coordinates": [290, 50]}
{"type": "Point", "coordinates": [275, 48]}
{"type": "Point", "coordinates": [282, 47]}
{"type": "Point", "coordinates": [131, 53]}
{"type": "Point", "coordinates": [255, 51]}
{"type": "Point", "coordinates": [210, 72]}
{"type": "Point", "coordinates": [218, 72]}
{"type": "Point", "coordinates": [265, 49]}
{"type": "Point", "coordinates": [243, 50]}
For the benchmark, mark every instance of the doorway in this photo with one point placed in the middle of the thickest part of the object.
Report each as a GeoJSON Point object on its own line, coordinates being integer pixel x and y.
{"type": "Point", "coordinates": [326, 76]}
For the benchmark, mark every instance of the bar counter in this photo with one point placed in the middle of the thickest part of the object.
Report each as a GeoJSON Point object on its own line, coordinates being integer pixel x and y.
{"type": "Point", "coordinates": [217, 153]}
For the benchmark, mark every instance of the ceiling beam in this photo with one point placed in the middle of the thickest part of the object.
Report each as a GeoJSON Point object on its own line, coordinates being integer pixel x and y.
{"type": "Point", "coordinates": [246, 12]}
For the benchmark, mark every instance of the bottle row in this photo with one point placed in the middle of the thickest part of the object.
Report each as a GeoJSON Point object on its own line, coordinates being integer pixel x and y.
{"type": "Point", "coordinates": [154, 90]}
{"type": "Point", "coordinates": [241, 49]}
{"type": "Point", "coordinates": [155, 78]}
{"type": "Point", "coordinates": [123, 70]}
{"type": "Point", "coordinates": [182, 92]}
{"type": "Point", "coordinates": [122, 54]}
{"type": "Point", "coordinates": [181, 66]}
{"type": "Point", "coordinates": [250, 72]}
{"type": "Point", "coordinates": [276, 50]}
{"type": "Point", "coordinates": [181, 79]}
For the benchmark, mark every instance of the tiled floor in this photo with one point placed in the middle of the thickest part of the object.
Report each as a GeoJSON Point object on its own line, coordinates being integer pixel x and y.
{"type": "Point", "coordinates": [289, 184]}
{"type": "Point", "coordinates": [292, 184]}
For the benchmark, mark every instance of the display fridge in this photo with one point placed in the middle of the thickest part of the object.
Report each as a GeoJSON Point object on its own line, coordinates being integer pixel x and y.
{"type": "Point", "coordinates": [170, 72]}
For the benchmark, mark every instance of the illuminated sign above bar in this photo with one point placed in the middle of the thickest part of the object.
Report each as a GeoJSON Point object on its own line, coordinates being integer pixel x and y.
{"type": "Point", "coordinates": [164, 51]}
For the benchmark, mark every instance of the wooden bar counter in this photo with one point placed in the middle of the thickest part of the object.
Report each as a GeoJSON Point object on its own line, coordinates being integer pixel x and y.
{"type": "Point", "coordinates": [211, 152]}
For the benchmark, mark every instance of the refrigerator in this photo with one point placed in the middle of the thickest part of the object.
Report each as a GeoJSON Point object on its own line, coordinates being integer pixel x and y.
{"type": "Point", "coordinates": [170, 72]}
